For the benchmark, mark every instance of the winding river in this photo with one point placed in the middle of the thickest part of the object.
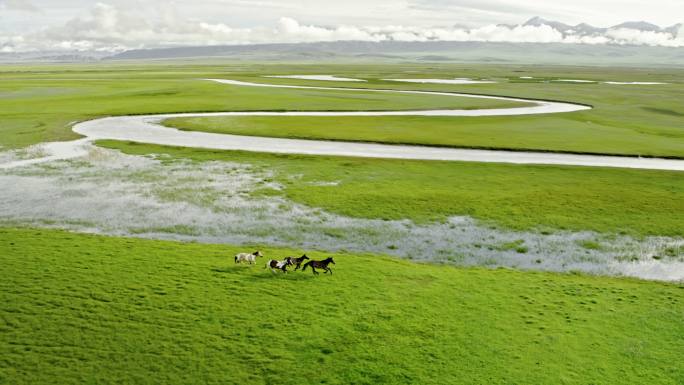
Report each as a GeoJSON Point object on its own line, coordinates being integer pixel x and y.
{"type": "Point", "coordinates": [148, 129]}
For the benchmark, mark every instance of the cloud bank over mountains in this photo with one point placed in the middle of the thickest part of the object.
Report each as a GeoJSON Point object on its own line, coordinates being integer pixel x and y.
{"type": "Point", "coordinates": [109, 28]}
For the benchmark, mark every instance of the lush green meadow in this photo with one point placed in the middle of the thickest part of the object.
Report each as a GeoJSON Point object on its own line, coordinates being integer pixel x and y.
{"type": "Point", "coordinates": [40, 103]}
{"type": "Point", "coordinates": [626, 119]}
{"type": "Point", "coordinates": [81, 309]}
{"type": "Point", "coordinates": [78, 308]}
{"type": "Point", "coordinates": [636, 202]}
{"type": "Point", "coordinates": [564, 133]}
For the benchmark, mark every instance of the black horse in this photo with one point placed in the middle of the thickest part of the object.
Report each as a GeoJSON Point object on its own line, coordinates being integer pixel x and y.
{"type": "Point", "coordinates": [320, 265]}
{"type": "Point", "coordinates": [298, 261]}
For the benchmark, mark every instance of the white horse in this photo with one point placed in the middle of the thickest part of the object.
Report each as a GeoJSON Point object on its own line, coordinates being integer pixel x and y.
{"type": "Point", "coordinates": [280, 265]}
{"type": "Point", "coordinates": [248, 257]}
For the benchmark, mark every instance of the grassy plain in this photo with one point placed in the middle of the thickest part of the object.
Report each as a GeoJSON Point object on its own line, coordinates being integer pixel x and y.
{"type": "Point", "coordinates": [40, 104]}
{"type": "Point", "coordinates": [81, 309]}
{"type": "Point", "coordinates": [552, 133]}
{"type": "Point", "coordinates": [636, 202]}
{"type": "Point", "coordinates": [626, 119]}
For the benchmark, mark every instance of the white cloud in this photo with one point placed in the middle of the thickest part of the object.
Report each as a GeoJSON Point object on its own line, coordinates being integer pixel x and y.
{"type": "Point", "coordinates": [111, 28]}
{"type": "Point", "coordinates": [18, 5]}
{"type": "Point", "coordinates": [633, 36]}
{"type": "Point", "coordinates": [291, 30]}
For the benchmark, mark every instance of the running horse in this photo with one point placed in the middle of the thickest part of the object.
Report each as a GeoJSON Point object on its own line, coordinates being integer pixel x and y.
{"type": "Point", "coordinates": [280, 265]}
{"type": "Point", "coordinates": [320, 265]}
{"type": "Point", "coordinates": [249, 257]}
{"type": "Point", "coordinates": [298, 261]}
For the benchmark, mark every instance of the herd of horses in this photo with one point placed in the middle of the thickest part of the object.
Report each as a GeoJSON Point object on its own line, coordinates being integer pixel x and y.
{"type": "Point", "coordinates": [276, 265]}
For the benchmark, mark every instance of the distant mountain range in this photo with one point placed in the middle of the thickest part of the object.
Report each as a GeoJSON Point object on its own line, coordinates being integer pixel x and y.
{"type": "Point", "coordinates": [580, 44]}
{"type": "Point", "coordinates": [584, 29]}
{"type": "Point", "coordinates": [436, 51]}
{"type": "Point", "coordinates": [536, 41]}
{"type": "Point", "coordinates": [392, 51]}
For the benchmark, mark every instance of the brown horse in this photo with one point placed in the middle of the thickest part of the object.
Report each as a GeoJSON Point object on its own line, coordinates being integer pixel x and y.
{"type": "Point", "coordinates": [298, 261]}
{"type": "Point", "coordinates": [320, 265]}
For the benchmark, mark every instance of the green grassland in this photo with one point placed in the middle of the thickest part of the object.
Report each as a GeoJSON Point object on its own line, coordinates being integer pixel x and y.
{"type": "Point", "coordinates": [81, 309]}
{"type": "Point", "coordinates": [572, 133]}
{"type": "Point", "coordinates": [40, 104]}
{"type": "Point", "coordinates": [636, 202]}
{"type": "Point", "coordinates": [641, 120]}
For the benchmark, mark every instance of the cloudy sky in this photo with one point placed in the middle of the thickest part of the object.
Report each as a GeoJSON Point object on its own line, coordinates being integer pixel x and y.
{"type": "Point", "coordinates": [120, 24]}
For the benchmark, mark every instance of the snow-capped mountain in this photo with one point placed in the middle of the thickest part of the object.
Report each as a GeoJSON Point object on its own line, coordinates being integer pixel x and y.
{"type": "Point", "coordinates": [538, 22]}
{"type": "Point", "coordinates": [639, 25]}
{"type": "Point", "coordinates": [582, 29]}
{"type": "Point", "coordinates": [585, 29]}
{"type": "Point", "coordinates": [627, 33]}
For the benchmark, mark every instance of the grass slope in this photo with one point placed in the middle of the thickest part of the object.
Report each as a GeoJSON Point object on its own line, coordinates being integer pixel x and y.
{"type": "Point", "coordinates": [638, 202]}
{"type": "Point", "coordinates": [89, 309]}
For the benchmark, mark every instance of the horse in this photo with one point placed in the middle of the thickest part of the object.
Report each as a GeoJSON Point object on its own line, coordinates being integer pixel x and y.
{"type": "Point", "coordinates": [282, 265]}
{"type": "Point", "coordinates": [320, 264]}
{"type": "Point", "coordinates": [298, 261]}
{"type": "Point", "coordinates": [249, 257]}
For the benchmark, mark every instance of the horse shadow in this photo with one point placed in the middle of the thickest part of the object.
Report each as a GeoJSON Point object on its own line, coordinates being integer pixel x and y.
{"type": "Point", "coordinates": [289, 276]}
{"type": "Point", "coordinates": [261, 274]}
{"type": "Point", "coordinates": [228, 269]}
